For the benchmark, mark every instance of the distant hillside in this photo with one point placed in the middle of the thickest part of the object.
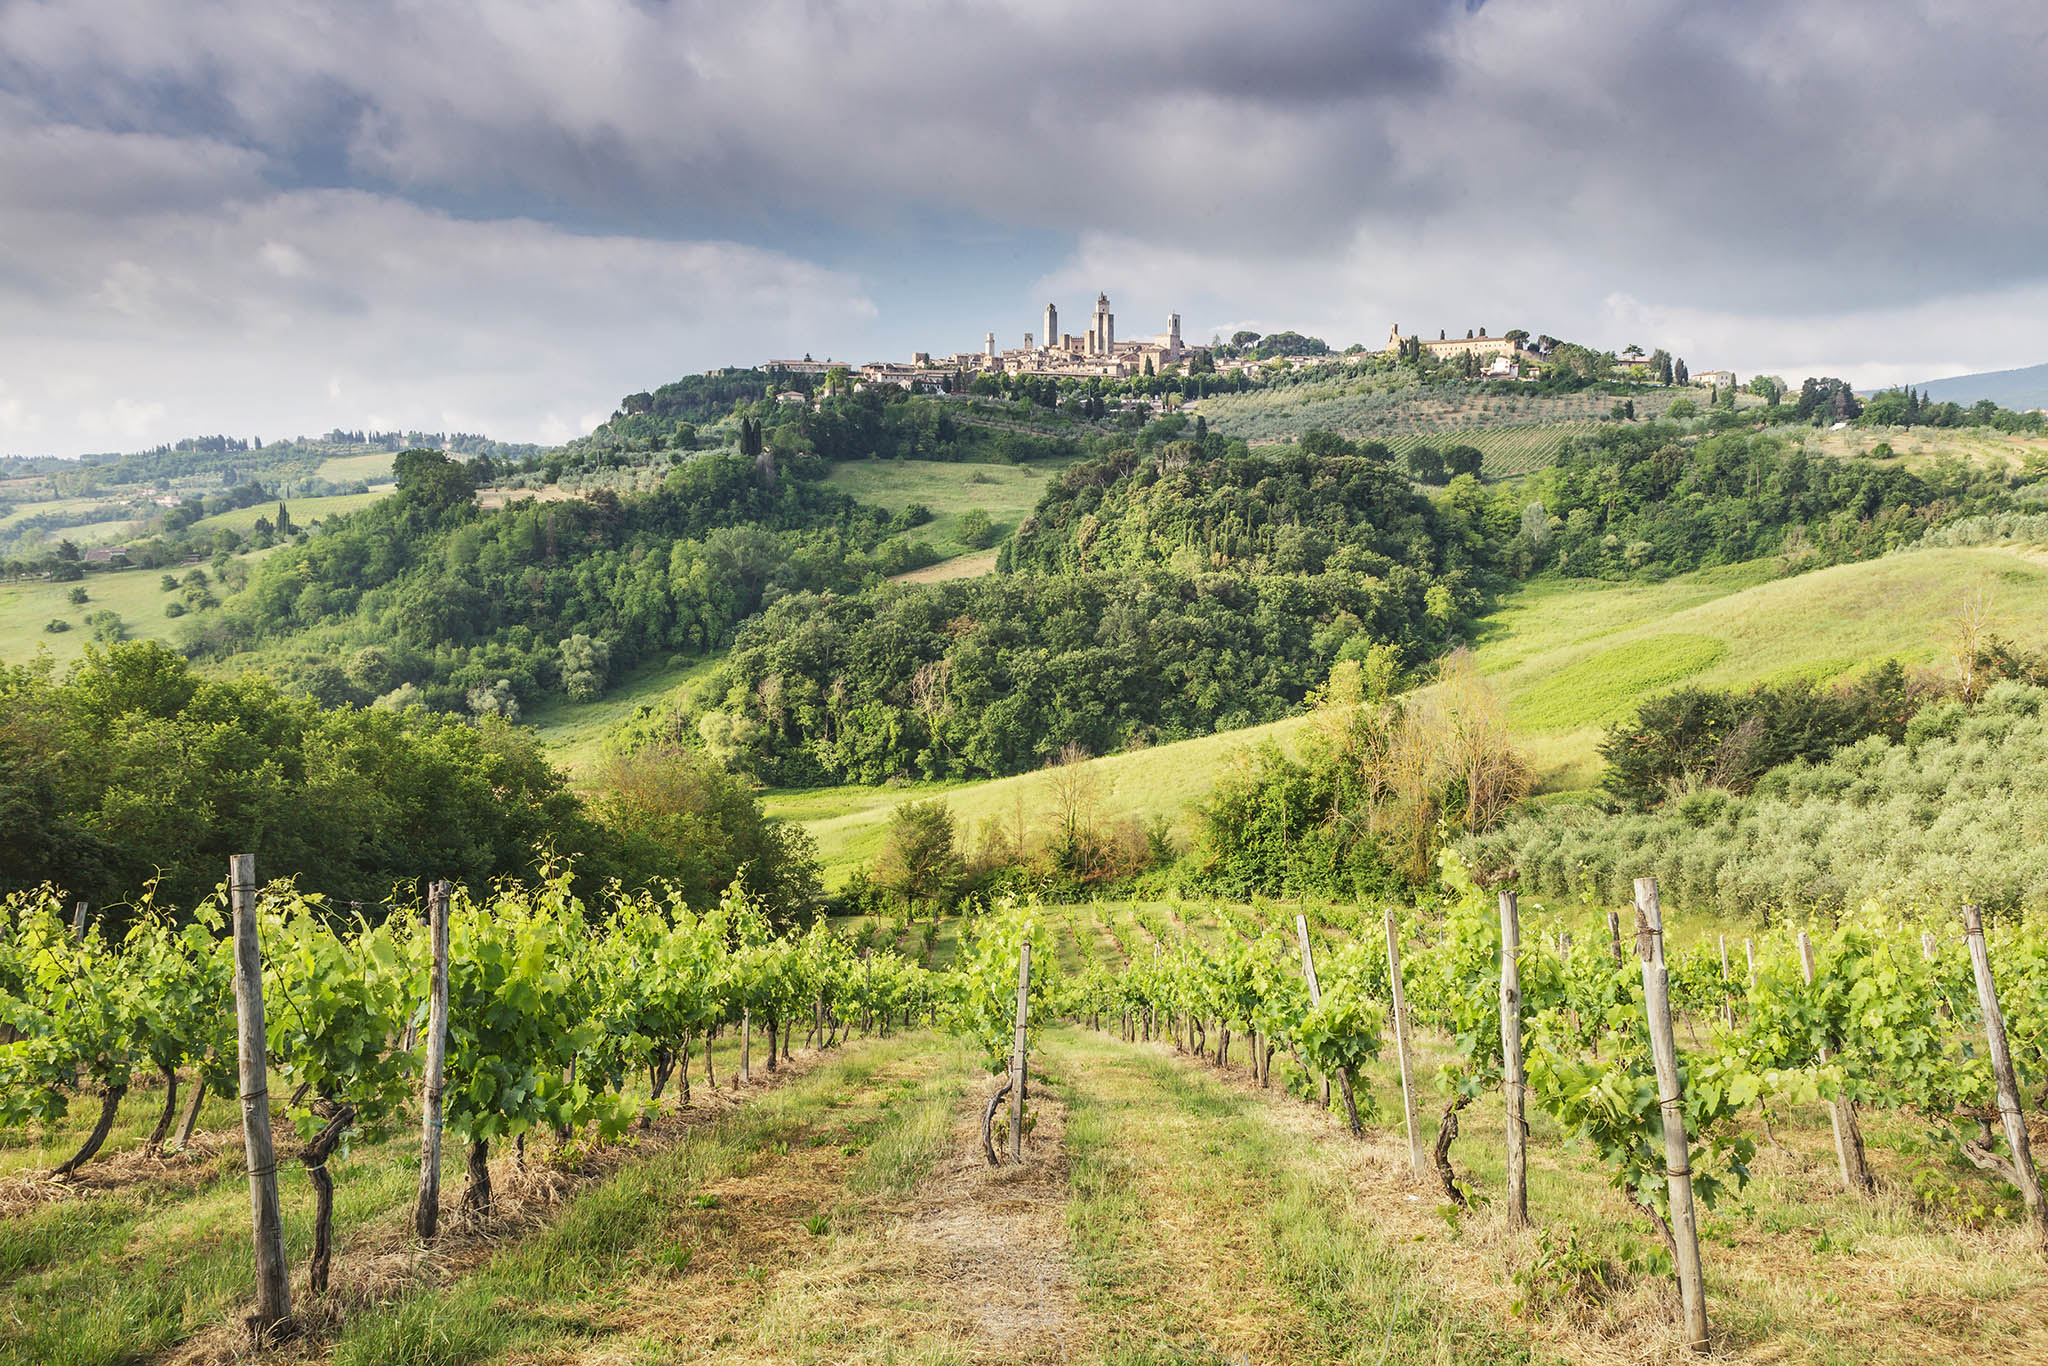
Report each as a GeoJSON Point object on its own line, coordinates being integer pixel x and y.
{"type": "Point", "coordinates": [2020, 390]}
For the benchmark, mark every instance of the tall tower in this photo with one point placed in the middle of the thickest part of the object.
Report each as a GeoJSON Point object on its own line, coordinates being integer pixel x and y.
{"type": "Point", "coordinates": [990, 346]}
{"type": "Point", "coordinates": [1103, 329]}
{"type": "Point", "coordinates": [1052, 326]}
{"type": "Point", "coordinates": [1173, 336]}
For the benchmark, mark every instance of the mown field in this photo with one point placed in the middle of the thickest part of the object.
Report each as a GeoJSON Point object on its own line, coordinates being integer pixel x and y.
{"type": "Point", "coordinates": [1169, 1210]}
{"type": "Point", "coordinates": [951, 489]}
{"type": "Point", "coordinates": [1568, 658]}
{"type": "Point", "coordinates": [29, 605]}
{"type": "Point", "coordinates": [304, 511]}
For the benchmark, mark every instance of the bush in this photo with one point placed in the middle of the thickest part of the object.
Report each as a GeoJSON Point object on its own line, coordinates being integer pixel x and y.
{"type": "Point", "coordinates": [977, 532]}
{"type": "Point", "coordinates": [57, 626]}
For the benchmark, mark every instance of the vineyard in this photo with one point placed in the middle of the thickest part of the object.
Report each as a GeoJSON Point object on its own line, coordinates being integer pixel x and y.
{"type": "Point", "coordinates": [1518, 431]}
{"type": "Point", "coordinates": [1543, 1082]}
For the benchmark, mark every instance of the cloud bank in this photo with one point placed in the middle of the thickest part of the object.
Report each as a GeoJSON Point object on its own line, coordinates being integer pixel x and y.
{"type": "Point", "coordinates": [272, 218]}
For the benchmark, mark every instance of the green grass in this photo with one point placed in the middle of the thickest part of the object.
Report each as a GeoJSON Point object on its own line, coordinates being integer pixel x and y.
{"type": "Point", "coordinates": [574, 733]}
{"type": "Point", "coordinates": [27, 606]}
{"type": "Point", "coordinates": [1570, 659]}
{"type": "Point", "coordinates": [849, 822]}
{"type": "Point", "coordinates": [950, 489]}
{"type": "Point", "coordinates": [304, 511]}
{"type": "Point", "coordinates": [1609, 683]}
{"type": "Point", "coordinates": [369, 467]}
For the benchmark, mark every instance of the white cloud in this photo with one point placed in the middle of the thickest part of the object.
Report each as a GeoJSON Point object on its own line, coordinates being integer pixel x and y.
{"type": "Point", "coordinates": [303, 310]}
{"type": "Point", "coordinates": [216, 207]}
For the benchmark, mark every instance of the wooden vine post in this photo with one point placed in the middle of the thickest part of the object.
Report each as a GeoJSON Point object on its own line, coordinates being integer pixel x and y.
{"type": "Point", "coordinates": [81, 916]}
{"type": "Point", "coordinates": [1017, 1052]}
{"type": "Point", "coordinates": [1614, 935]}
{"type": "Point", "coordinates": [1685, 1236]}
{"type": "Point", "coordinates": [1727, 1000]}
{"type": "Point", "coordinates": [2023, 1174]}
{"type": "Point", "coordinates": [273, 1288]}
{"type": "Point", "coordinates": [1315, 998]}
{"type": "Point", "coordinates": [1514, 1085]}
{"type": "Point", "coordinates": [1849, 1157]}
{"type": "Point", "coordinates": [1416, 1158]}
{"type": "Point", "coordinates": [426, 1213]}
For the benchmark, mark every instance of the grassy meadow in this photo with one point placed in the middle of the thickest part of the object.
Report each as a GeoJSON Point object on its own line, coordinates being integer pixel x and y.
{"type": "Point", "coordinates": [951, 489]}
{"type": "Point", "coordinates": [27, 606]}
{"type": "Point", "coordinates": [304, 511]}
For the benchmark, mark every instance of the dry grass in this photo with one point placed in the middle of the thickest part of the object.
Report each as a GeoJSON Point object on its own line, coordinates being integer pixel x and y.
{"type": "Point", "coordinates": [1796, 1271]}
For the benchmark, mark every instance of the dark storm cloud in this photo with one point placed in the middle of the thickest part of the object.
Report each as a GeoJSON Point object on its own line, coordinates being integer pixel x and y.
{"type": "Point", "coordinates": [1750, 171]}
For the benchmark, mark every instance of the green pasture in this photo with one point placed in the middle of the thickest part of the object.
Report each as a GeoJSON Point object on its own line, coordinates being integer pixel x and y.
{"type": "Point", "coordinates": [951, 489]}
{"type": "Point", "coordinates": [27, 607]}
{"type": "Point", "coordinates": [304, 511]}
{"type": "Point", "coordinates": [370, 467]}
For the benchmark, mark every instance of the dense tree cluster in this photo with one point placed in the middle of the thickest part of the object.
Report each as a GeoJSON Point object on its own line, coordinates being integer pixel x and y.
{"type": "Point", "coordinates": [456, 598]}
{"type": "Point", "coordinates": [130, 767]}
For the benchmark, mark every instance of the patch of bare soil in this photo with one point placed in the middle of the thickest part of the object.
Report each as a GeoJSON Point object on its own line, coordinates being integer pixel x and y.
{"type": "Point", "coordinates": [988, 1244]}
{"type": "Point", "coordinates": [971, 1266]}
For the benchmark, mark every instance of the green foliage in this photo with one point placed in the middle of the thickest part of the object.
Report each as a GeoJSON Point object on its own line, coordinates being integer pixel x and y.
{"type": "Point", "coordinates": [984, 985]}
{"type": "Point", "coordinates": [130, 765]}
{"type": "Point", "coordinates": [977, 531]}
{"type": "Point", "coordinates": [919, 864]}
{"type": "Point", "coordinates": [1694, 736]}
{"type": "Point", "coordinates": [1950, 811]}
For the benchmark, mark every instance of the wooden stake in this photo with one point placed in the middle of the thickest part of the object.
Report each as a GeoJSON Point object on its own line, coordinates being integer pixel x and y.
{"type": "Point", "coordinates": [1727, 1003]}
{"type": "Point", "coordinates": [1614, 934]}
{"type": "Point", "coordinates": [1927, 945]}
{"type": "Point", "coordinates": [273, 1288]}
{"type": "Point", "coordinates": [426, 1213]}
{"type": "Point", "coordinates": [2024, 1173]}
{"type": "Point", "coordinates": [1749, 952]}
{"type": "Point", "coordinates": [1017, 1053]}
{"type": "Point", "coordinates": [1514, 1086]}
{"type": "Point", "coordinates": [1417, 1158]}
{"type": "Point", "coordinates": [746, 1044]}
{"type": "Point", "coordinates": [80, 915]}
{"type": "Point", "coordinates": [1685, 1236]}
{"type": "Point", "coordinates": [1841, 1110]}
{"type": "Point", "coordinates": [1315, 998]}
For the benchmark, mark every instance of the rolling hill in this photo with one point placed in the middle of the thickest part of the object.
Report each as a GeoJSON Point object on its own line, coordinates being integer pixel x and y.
{"type": "Point", "coordinates": [2021, 389]}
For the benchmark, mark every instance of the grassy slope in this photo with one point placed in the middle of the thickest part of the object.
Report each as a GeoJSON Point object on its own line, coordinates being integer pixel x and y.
{"type": "Point", "coordinates": [369, 467]}
{"type": "Point", "coordinates": [949, 488]}
{"type": "Point", "coordinates": [27, 606]}
{"type": "Point", "coordinates": [304, 511]}
{"type": "Point", "coordinates": [575, 732]}
{"type": "Point", "coordinates": [1568, 657]}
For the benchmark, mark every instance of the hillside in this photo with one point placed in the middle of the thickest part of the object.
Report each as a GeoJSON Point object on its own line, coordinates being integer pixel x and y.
{"type": "Point", "coordinates": [2021, 389]}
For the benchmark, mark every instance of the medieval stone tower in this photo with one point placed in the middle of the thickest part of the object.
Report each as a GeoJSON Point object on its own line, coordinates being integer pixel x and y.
{"type": "Point", "coordinates": [1102, 330]}
{"type": "Point", "coordinates": [1052, 325]}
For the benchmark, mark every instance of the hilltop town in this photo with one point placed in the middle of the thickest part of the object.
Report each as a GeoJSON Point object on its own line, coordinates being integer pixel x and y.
{"type": "Point", "coordinates": [1098, 353]}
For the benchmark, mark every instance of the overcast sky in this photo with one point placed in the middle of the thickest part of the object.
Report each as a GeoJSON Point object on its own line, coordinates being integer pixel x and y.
{"type": "Point", "coordinates": [270, 218]}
